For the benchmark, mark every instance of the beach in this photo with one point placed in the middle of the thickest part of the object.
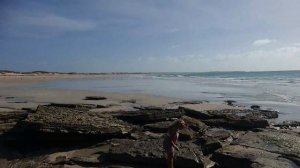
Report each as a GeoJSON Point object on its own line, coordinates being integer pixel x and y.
{"type": "Point", "coordinates": [46, 126]}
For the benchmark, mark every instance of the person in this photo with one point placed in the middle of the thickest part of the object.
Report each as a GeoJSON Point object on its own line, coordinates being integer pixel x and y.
{"type": "Point", "coordinates": [170, 140]}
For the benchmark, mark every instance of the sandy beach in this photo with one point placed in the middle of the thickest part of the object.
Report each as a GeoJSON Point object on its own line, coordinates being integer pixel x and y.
{"type": "Point", "coordinates": [12, 97]}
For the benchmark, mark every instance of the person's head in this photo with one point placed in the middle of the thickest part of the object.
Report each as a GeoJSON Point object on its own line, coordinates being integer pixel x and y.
{"type": "Point", "coordinates": [181, 124]}
{"type": "Point", "coordinates": [178, 125]}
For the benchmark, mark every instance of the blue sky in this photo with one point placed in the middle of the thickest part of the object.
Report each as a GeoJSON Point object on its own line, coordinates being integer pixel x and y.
{"type": "Point", "coordinates": [149, 35]}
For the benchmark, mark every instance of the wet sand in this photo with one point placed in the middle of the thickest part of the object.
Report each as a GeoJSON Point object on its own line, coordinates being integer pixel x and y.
{"type": "Point", "coordinates": [13, 96]}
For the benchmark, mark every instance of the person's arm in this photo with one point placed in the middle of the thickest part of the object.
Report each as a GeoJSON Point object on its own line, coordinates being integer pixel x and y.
{"type": "Point", "coordinates": [174, 145]}
{"type": "Point", "coordinates": [174, 140]}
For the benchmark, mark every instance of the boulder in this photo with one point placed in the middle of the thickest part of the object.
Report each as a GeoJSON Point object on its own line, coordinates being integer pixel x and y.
{"type": "Point", "coordinates": [241, 156]}
{"type": "Point", "coordinates": [151, 152]}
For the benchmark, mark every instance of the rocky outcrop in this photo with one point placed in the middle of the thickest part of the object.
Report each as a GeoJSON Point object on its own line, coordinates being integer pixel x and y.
{"type": "Point", "coordinates": [236, 122]}
{"type": "Point", "coordinates": [148, 116]}
{"type": "Point", "coordinates": [231, 118]}
{"type": "Point", "coordinates": [9, 118]}
{"type": "Point", "coordinates": [54, 119]}
{"type": "Point", "coordinates": [247, 157]}
{"type": "Point", "coordinates": [280, 142]}
{"type": "Point", "coordinates": [287, 124]}
{"type": "Point", "coordinates": [151, 152]}
{"type": "Point", "coordinates": [56, 125]}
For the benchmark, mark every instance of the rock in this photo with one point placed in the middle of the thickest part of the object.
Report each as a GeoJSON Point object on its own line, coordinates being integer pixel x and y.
{"type": "Point", "coordinates": [208, 145]}
{"type": "Point", "coordinates": [280, 142]}
{"type": "Point", "coordinates": [230, 102]}
{"type": "Point", "coordinates": [188, 102]}
{"type": "Point", "coordinates": [161, 127]}
{"type": "Point", "coordinates": [218, 133]}
{"type": "Point", "coordinates": [237, 122]}
{"type": "Point", "coordinates": [210, 141]}
{"type": "Point", "coordinates": [95, 98]}
{"type": "Point", "coordinates": [129, 101]}
{"type": "Point", "coordinates": [288, 124]}
{"type": "Point", "coordinates": [255, 107]}
{"type": "Point", "coordinates": [195, 124]}
{"type": "Point", "coordinates": [74, 106]}
{"type": "Point", "coordinates": [9, 118]}
{"type": "Point", "coordinates": [64, 125]}
{"type": "Point", "coordinates": [148, 116]}
{"type": "Point", "coordinates": [211, 114]}
{"type": "Point", "coordinates": [265, 114]}
{"type": "Point", "coordinates": [240, 156]}
{"type": "Point", "coordinates": [151, 152]}
{"type": "Point", "coordinates": [186, 134]}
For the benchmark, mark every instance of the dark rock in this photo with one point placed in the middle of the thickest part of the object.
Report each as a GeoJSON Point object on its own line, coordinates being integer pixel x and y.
{"type": "Point", "coordinates": [50, 124]}
{"type": "Point", "coordinates": [288, 124]}
{"type": "Point", "coordinates": [208, 145]}
{"type": "Point", "coordinates": [280, 142]}
{"type": "Point", "coordinates": [255, 107]}
{"type": "Point", "coordinates": [237, 122]}
{"type": "Point", "coordinates": [148, 116]}
{"type": "Point", "coordinates": [230, 102]}
{"type": "Point", "coordinates": [129, 101]}
{"type": "Point", "coordinates": [218, 133]}
{"type": "Point", "coordinates": [161, 127]}
{"type": "Point", "coordinates": [188, 102]}
{"type": "Point", "coordinates": [265, 114]}
{"type": "Point", "coordinates": [19, 102]}
{"type": "Point", "coordinates": [95, 98]}
{"type": "Point", "coordinates": [195, 124]}
{"type": "Point", "coordinates": [186, 134]}
{"type": "Point", "coordinates": [9, 118]}
{"type": "Point", "coordinates": [151, 152]}
{"type": "Point", "coordinates": [240, 156]}
{"type": "Point", "coordinates": [74, 106]}
{"type": "Point", "coordinates": [10, 97]}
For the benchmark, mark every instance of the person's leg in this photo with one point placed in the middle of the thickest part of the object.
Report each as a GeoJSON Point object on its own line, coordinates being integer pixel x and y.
{"type": "Point", "coordinates": [170, 162]}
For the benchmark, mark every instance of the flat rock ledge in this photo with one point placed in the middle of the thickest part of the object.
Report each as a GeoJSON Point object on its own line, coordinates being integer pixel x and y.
{"type": "Point", "coordinates": [81, 135]}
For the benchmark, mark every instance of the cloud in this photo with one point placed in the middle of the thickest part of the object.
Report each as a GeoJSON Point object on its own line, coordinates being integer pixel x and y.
{"type": "Point", "coordinates": [39, 24]}
{"type": "Point", "coordinates": [262, 42]}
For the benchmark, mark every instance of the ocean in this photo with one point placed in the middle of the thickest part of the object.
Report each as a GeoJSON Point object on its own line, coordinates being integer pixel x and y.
{"type": "Point", "coordinates": [276, 90]}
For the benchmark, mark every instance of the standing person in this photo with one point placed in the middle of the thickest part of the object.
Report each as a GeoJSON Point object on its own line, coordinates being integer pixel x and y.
{"type": "Point", "coordinates": [170, 140]}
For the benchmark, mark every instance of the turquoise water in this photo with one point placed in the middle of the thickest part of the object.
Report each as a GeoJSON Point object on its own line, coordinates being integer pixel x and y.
{"type": "Point", "coordinates": [278, 90]}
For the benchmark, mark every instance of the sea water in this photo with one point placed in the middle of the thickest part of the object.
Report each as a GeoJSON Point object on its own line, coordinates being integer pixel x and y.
{"type": "Point", "coordinates": [277, 90]}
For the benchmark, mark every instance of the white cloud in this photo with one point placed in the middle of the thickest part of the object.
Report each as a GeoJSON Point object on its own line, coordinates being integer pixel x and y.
{"type": "Point", "coordinates": [262, 42]}
{"type": "Point", "coordinates": [39, 24]}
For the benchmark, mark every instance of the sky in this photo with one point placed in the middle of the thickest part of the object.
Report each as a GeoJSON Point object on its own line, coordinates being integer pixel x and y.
{"type": "Point", "coordinates": [149, 35]}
